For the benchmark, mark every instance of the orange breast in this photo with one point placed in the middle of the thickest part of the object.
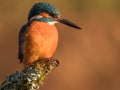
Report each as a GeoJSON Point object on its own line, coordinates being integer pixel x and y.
{"type": "Point", "coordinates": [40, 41]}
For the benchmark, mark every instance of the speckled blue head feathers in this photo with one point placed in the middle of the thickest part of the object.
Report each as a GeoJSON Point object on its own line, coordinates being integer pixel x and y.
{"type": "Point", "coordinates": [43, 7]}
{"type": "Point", "coordinates": [53, 14]}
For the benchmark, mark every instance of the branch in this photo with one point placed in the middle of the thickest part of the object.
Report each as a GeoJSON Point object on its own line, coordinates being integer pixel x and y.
{"type": "Point", "coordinates": [31, 77]}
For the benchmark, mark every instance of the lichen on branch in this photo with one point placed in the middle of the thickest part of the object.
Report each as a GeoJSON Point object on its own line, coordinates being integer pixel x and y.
{"type": "Point", "coordinates": [31, 77]}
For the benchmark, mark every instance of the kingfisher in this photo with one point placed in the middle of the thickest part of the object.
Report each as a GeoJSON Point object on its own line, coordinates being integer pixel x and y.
{"type": "Point", "coordinates": [38, 38]}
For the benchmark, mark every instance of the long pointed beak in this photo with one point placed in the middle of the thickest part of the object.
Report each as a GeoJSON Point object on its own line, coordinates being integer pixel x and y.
{"type": "Point", "coordinates": [69, 23]}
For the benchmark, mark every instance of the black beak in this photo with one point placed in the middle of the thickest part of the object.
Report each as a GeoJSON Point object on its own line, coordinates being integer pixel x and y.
{"type": "Point", "coordinates": [67, 22]}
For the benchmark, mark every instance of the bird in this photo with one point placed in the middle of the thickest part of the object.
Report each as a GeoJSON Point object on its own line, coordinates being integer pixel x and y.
{"type": "Point", "coordinates": [38, 37]}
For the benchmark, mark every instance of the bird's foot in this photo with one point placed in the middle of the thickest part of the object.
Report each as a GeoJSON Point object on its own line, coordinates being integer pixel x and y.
{"type": "Point", "coordinates": [52, 61]}
{"type": "Point", "coordinates": [49, 62]}
{"type": "Point", "coordinates": [30, 64]}
{"type": "Point", "coordinates": [47, 59]}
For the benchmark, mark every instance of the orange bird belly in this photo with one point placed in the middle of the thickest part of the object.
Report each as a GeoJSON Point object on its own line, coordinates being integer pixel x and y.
{"type": "Point", "coordinates": [40, 41]}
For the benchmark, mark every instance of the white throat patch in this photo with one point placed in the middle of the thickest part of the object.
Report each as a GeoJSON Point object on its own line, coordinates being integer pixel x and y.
{"type": "Point", "coordinates": [52, 23]}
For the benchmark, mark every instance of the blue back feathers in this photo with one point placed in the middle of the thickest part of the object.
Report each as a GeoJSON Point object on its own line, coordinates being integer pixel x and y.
{"type": "Point", "coordinates": [43, 7]}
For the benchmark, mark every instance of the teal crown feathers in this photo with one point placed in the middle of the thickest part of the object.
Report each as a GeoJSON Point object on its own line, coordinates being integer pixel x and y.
{"type": "Point", "coordinates": [43, 7]}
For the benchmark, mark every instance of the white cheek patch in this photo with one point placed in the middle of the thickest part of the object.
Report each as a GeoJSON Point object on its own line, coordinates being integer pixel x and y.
{"type": "Point", "coordinates": [36, 17]}
{"type": "Point", "coordinates": [39, 16]}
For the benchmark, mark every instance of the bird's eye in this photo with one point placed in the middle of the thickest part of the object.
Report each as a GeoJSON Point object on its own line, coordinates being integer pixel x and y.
{"type": "Point", "coordinates": [57, 16]}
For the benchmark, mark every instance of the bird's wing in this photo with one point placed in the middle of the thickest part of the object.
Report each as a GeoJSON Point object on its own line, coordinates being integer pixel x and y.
{"type": "Point", "coordinates": [20, 39]}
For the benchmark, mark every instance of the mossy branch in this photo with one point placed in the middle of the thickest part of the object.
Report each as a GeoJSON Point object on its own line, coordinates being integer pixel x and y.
{"type": "Point", "coordinates": [31, 77]}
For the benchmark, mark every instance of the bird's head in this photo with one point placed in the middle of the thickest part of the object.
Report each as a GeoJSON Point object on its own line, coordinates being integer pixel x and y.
{"type": "Point", "coordinates": [49, 12]}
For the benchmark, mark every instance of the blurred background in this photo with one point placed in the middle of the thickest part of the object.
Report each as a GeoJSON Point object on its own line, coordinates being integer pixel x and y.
{"type": "Point", "coordinates": [89, 59]}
